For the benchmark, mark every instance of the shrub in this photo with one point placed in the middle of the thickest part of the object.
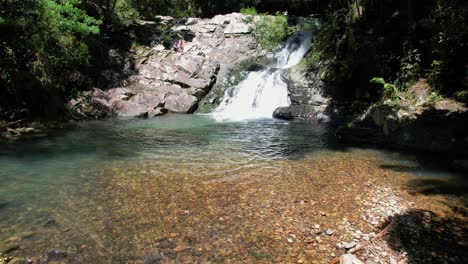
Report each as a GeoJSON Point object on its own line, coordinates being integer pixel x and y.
{"type": "Point", "coordinates": [312, 59]}
{"type": "Point", "coordinates": [410, 69]}
{"type": "Point", "coordinates": [389, 93]}
{"type": "Point", "coordinates": [270, 31]}
{"type": "Point", "coordinates": [249, 11]}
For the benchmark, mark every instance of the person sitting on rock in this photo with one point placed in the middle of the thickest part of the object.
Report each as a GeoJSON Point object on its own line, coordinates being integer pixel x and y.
{"type": "Point", "coordinates": [179, 46]}
{"type": "Point", "coordinates": [176, 46]}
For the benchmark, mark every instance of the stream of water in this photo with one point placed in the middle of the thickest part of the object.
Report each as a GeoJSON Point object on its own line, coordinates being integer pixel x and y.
{"type": "Point", "coordinates": [54, 190]}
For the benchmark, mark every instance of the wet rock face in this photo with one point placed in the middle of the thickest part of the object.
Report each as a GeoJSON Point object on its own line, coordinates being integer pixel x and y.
{"type": "Point", "coordinates": [304, 111]}
{"type": "Point", "coordinates": [308, 93]}
{"type": "Point", "coordinates": [155, 79]}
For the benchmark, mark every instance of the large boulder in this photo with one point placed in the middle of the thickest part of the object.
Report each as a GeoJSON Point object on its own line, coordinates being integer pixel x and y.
{"type": "Point", "coordinates": [238, 28]}
{"type": "Point", "coordinates": [89, 107]}
{"type": "Point", "coordinates": [140, 105]}
{"type": "Point", "coordinates": [297, 111]}
{"type": "Point", "coordinates": [181, 103]}
{"type": "Point", "coordinates": [308, 93]}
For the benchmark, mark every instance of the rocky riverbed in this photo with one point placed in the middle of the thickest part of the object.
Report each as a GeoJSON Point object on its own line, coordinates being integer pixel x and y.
{"type": "Point", "coordinates": [332, 208]}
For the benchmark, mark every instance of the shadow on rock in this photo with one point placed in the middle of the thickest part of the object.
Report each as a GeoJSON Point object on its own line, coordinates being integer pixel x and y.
{"type": "Point", "coordinates": [429, 238]}
{"type": "Point", "coordinates": [451, 186]}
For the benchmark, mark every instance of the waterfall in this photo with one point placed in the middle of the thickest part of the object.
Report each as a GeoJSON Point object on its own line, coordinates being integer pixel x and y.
{"type": "Point", "coordinates": [263, 91]}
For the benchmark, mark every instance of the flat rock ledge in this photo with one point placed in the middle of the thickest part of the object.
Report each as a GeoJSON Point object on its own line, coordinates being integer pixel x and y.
{"type": "Point", "coordinates": [160, 80]}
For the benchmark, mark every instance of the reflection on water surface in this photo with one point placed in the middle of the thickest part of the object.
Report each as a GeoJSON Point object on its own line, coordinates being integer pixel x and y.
{"type": "Point", "coordinates": [98, 188]}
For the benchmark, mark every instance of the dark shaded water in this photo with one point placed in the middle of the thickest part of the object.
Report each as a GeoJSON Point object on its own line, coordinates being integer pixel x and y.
{"type": "Point", "coordinates": [48, 186]}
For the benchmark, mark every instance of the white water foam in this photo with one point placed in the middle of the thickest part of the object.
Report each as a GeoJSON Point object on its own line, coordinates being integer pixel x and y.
{"type": "Point", "coordinates": [262, 92]}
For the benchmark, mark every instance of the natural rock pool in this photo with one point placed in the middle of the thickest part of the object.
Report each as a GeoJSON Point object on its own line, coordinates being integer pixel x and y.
{"type": "Point", "coordinates": [188, 189]}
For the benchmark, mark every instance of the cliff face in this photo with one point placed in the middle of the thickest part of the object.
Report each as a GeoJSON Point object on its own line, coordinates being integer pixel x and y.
{"type": "Point", "coordinates": [157, 79]}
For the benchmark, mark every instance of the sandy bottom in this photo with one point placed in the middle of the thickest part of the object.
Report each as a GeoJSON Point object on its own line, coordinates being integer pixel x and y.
{"type": "Point", "coordinates": [277, 211]}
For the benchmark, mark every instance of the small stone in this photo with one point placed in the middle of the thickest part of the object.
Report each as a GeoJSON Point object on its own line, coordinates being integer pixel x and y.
{"type": "Point", "coordinates": [13, 239]}
{"type": "Point", "coordinates": [403, 261]}
{"type": "Point", "coordinates": [172, 254]}
{"type": "Point", "coordinates": [57, 255]}
{"type": "Point", "coordinates": [181, 248]}
{"type": "Point", "coordinates": [32, 260]}
{"type": "Point", "coordinates": [347, 259]}
{"type": "Point", "coordinates": [339, 245]}
{"type": "Point", "coordinates": [318, 239]}
{"type": "Point", "coordinates": [51, 223]}
{"type": "Point", "coordinates": [17, 260]}
{"type": "Point", "coordinates": [322, 213]}
{"type": "Point", "coordinates": [329, 232]}
{"type": "Point", "coordinates": [322, 248]}
{"type": "Point", "coordinates": [27, 234]}
{"type": "Point", "coordinates": [152, 259]}
{"type": "Point", "coordinates": [9, 248]}
{"type": "Point", "coordinates": [166, 243]}
{"type": "Point", "coordinates": [349, 245]}
{"type": "Point", "coordinates": [316, 226]}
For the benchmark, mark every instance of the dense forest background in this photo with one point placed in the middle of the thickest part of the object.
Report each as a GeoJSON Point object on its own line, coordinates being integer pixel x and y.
{"type": "Point", "coordinates": [51, 49]}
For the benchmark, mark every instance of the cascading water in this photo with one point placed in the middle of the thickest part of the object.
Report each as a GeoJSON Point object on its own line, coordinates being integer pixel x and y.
{"type": "Point", "coordinates": [262, 92]}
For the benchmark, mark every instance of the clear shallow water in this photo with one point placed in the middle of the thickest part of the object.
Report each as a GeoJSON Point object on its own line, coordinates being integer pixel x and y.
{"type": "Point", "coordinates": [50, 191]}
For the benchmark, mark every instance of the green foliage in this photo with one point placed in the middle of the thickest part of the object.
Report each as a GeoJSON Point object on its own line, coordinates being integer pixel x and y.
{"type": "Point", "coordinates": [125, 10]}
{"type": "Point", "coordinates": [270, 31]}
{"type": "Point", "coordinates": [365, 38]}
{"type": "Point", "coordinates": [387, 87]}
{"type": "Point", "coordinates": [461, 96]}
{"type": "Point", "coordinates": [311, 60]}
{"type": "Point", "coordinates": [389, 91]}
{"type": "Point", "coordinates": [58, 39]}
{"type": "Point", "coordinates": [249, 11]}
{"type": "Point", "coordinates": [312, 23]}
{"type": "Point", "coordinates": [434, 75]}
{"type": "Point", "coordinates": [410, 69]}
{"type": "Point", "coordinates": [43, 44]}
{"type": "Point", "coordinates": [433, 98]}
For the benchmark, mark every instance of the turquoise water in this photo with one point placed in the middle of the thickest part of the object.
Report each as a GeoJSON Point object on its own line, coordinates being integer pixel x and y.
{"type": "Point", "coordinates": [50, 191]}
